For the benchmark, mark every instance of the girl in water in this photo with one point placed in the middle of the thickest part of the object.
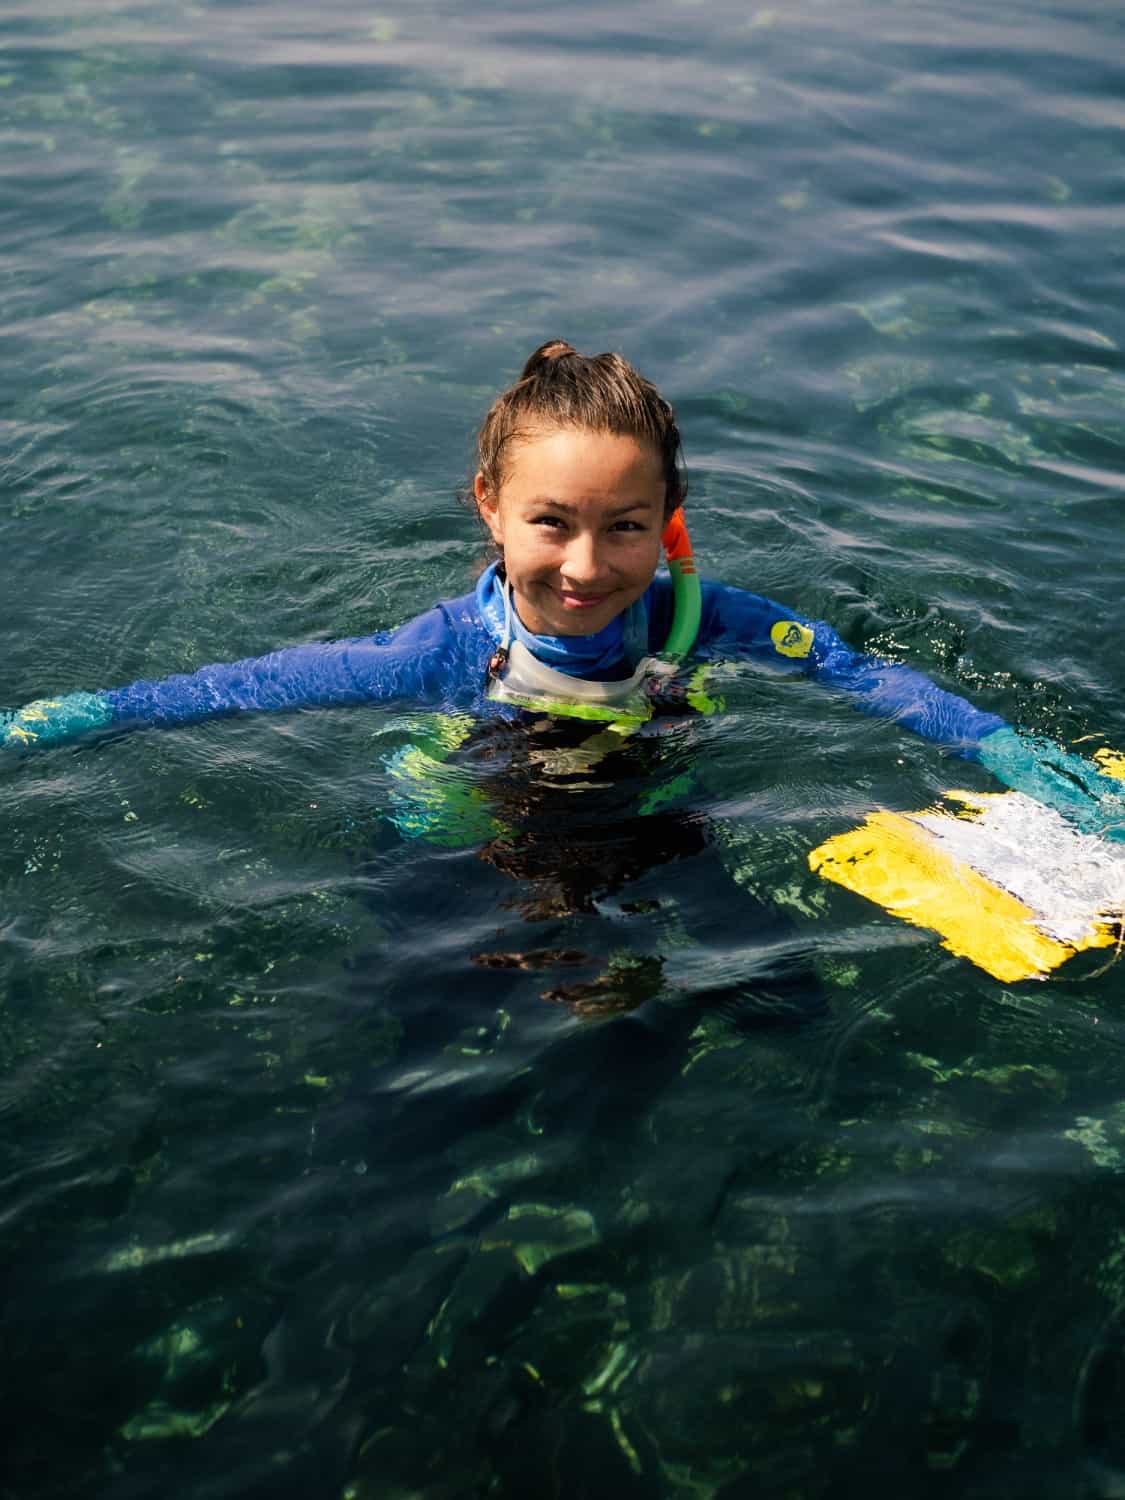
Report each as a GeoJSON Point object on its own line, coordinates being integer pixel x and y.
{"type": "Point", "coordinates": [580, 476]}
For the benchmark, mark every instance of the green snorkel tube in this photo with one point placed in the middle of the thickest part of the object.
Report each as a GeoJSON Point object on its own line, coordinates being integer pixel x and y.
{"type": "Point", "coordinates": [686, 589]}
{"type": "Point", "coordinates": [687, 611]}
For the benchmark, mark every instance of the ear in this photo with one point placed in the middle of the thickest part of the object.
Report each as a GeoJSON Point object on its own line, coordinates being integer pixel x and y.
{"type": "Point", "coordinates": [489, 510]}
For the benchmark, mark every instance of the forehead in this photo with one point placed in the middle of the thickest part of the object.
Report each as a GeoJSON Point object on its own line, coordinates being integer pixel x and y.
{"type": "Point", "coordinates": [570, 463]}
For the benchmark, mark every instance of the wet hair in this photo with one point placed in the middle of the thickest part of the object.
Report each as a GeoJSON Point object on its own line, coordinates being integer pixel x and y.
{"type": "Point", "coordinates": [597, 393]}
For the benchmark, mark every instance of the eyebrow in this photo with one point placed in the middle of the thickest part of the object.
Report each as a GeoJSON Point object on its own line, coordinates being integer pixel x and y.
{"type": "Point", "coordinates": [614, 511]}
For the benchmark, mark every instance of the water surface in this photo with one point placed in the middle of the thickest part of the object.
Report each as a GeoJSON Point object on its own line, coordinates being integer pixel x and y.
{"type": "Point", "coordinates": [345, 1164]}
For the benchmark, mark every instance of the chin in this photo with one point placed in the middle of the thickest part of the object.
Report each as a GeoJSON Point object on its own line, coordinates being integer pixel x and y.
{"type": "Point", "coordinates": [584, 621]}
{"type": "Point", "coordinates": [581, 627]}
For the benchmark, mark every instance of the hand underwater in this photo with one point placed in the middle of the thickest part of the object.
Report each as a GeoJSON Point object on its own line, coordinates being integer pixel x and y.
{"type": "Point", "coordinates": [1093, 801]}
{"type": "Point", "coordinates": [49, 721]}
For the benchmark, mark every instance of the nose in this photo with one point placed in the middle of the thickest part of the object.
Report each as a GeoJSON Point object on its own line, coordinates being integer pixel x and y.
{"type": "Point", "coordinates": [582, 565]}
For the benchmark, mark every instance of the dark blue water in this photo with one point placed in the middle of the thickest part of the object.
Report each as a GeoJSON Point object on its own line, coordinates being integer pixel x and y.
{"type": "Point", "coordinates": [644, 1164]}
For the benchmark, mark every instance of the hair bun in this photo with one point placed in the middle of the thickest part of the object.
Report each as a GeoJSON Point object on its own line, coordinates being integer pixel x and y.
{"type": "Point", "coordinates": [547, 354]}
{"type": "Point", "coordinates": [560, 388]}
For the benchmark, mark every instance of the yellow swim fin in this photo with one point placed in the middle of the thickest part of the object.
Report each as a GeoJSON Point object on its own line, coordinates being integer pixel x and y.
{"type": "Point", "coordinates": [1008, 883]}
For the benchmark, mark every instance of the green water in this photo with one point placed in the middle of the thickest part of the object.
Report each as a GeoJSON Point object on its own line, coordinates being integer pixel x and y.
{"type": "Point", "coordinates": [326, 1169]}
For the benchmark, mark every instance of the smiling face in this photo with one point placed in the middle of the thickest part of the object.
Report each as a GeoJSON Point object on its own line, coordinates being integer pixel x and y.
{"type": "Point", "coordinates": [579, 517]}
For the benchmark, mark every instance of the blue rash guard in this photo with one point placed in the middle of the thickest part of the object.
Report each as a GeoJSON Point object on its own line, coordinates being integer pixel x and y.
{"type": "Point", "coordinates": [440, 660]}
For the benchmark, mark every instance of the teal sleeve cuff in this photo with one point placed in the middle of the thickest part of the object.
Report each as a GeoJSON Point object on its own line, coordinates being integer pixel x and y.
{"type": "Point", "coordinates": [49, 721]}
{"type": "Point", "coordinates": [1058, 778]}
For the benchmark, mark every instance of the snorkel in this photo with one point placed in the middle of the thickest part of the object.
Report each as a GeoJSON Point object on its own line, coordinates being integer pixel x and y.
{"type": "Point", "coordinates": [686, 592]}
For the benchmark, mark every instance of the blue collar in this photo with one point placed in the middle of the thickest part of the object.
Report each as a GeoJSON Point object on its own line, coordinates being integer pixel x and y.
{"type": "Point", "coordinates": [599, 655]}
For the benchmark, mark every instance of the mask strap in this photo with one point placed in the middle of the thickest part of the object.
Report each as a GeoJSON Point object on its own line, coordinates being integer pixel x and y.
{"type": "Point", "coordinates": [499, 658]}
{"type": "Point", "coordinates": [506, 636]}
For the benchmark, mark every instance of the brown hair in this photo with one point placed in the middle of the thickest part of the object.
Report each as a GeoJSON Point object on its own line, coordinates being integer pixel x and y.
{"type": "Point", "coordinates": [600, 392]}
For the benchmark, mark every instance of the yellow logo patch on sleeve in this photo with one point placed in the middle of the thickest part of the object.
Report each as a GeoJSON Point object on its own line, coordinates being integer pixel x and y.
{"type": "Point", "coordinates": [791, 639]}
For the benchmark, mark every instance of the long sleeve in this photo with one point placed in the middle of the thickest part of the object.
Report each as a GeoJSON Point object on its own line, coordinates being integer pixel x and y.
{"type": "Point", "coordinates": [740, 624]}
{"type": "Point", "coordinates": [411, 663]}
{"type": "Point", "coordinates": [426, 660]}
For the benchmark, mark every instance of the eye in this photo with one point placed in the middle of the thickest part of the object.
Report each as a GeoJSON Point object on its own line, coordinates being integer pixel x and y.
{"type": "Point", "coordinates": [549, 520]}
{"type": "Point", "coordinates": [628, 526]}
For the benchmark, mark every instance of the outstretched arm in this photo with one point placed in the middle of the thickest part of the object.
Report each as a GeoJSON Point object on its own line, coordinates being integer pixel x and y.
{"type": "Point", "coordinates": [412, 663]}
{"type": "Point", "coordinates": [748, 625]}
{"type": "Point", "coordinates": [740, 624]}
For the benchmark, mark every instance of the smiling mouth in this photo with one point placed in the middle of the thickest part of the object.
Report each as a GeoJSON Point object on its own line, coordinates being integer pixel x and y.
{"type": "Point", "coordinates": [582, 601]}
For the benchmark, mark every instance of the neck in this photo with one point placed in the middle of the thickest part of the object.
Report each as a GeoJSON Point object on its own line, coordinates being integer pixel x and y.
{"type": "Point", "coordinates": [607, 653]}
